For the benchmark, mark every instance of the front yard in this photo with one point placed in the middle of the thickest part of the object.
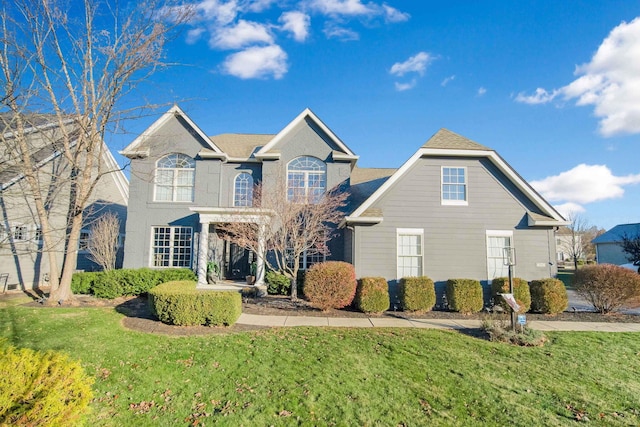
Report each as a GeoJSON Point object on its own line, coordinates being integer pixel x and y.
{"type": "Point", "coordinates": [319, 376]}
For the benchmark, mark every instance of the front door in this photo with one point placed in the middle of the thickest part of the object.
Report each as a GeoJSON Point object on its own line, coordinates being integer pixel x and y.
{"type": "Point", "coordinates": [237, 261]}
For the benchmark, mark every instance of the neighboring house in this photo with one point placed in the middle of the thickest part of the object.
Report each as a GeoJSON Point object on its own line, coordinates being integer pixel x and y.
{"type": "Point", "coordinates": [567, 244]}
{"type": "Point", "coordinates": [21, 255]}
{"type": "Point", "coordinates": [609, 245]}
{"type": "Point", "coordinates": [448, 212]}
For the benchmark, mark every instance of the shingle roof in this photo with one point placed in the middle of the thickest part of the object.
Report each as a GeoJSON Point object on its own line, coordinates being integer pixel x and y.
{"type": "Point", "coordinates": [616, 233]}
{"type": "Point", "coordinates": [445, 139]}
{"type": "Point", "coordinates": [364, 182]}
{"type": "Point", "coordinates": [241, 145]}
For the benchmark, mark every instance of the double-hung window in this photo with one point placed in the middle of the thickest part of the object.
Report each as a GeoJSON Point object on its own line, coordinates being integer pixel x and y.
{"type": "Point", "coordinates": [171, 246]}
{"type": "Point", "coordinates": [410, 252]}
{"type": "Point", "coordinates": [19, 233]}
{"type": "Point", "coordinates": [454, 186]}
{"type": "Point", "coordinates": [175, 176]}
{"type": "Point", "coordinates": [243, 190]}
{"type": "Point", "coordinates": [497, 243]}
{"type": "Point", "coordinates": [306, 180]}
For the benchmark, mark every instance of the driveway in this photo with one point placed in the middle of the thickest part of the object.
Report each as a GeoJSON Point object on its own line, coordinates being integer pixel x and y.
{"type": "Point", "coordinates": [581, 304]}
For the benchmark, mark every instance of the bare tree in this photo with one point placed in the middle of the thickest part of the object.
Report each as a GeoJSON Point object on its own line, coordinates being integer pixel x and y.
{"type": "Point", "coordinates": [577, 240]}
{"type": "Point", "coordinates": [297, 225]}
{"type": "Point", "coordinates": [631, 246]}
{"type": "Point", "coordinates": [75, 68]}
{"type": "Point", "coordinates": [103, 242]}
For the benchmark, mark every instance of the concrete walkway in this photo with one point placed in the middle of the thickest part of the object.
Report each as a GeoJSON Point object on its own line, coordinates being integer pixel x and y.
{"type": "Point", "coordinates": [398, 322]}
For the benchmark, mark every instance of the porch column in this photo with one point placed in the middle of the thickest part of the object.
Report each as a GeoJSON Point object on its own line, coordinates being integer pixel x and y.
{"type": "Point", "coordinates": [203, 249]}
{"type": "Point", "coordinates": [261, 254]}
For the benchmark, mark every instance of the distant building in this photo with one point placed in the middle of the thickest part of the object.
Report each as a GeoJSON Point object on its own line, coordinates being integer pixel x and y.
{"type": "Point", "coordinates": [609, 245]}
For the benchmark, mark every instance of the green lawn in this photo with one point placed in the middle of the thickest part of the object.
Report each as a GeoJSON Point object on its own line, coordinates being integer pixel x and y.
{"type": "Point", "coordinates": [319, 376]}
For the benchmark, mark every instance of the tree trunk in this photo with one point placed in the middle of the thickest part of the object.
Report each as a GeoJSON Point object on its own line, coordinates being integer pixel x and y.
{"type": "Point", "coordinates": [294, 288]}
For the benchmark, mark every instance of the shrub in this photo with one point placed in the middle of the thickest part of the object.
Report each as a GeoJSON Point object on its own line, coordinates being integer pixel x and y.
{"type": "Point", "coordinates": [126, 282]}
{"type": "Point", "coordinates": [372, 295]}
{"type": "Point", "coordinates": [521, 292]}
{"type": "Point", "coordinates": [330, 284]}
{"type": "Point", "coordinates": [180, 303]}
{"type": "Point", "coordinates": [417, 294]}
{"type": "Point", "coordinates": [82, 283]}
{"type": "Point", "coordinates": [464, 295]}
{"type": "Point", "coordinates": [501, 331]}
{"type": "Point", "coordinates": [607, 287]}
{"type": "Point", "coordinates": [277, 283]}
{"type": "Point", "coordinates": [548, 296]}
{"type": "Point", "coordinates": [39, 389]}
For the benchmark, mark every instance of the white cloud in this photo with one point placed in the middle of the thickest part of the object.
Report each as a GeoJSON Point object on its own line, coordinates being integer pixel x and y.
{"type": "Point", "coordinates": [610, 82]}
{"type": "Point", "coordinates": [194, 35]}
{"type": "Point", "coordinates": [400, 87]}
{"type": "Point", "coordinates": [415, 64]}
{"type": "Point", "coordinates": [569, 210]}
{"type": "Point", "coordinates": [244, 33]}
{"type": "Point", "coordinates": [447, 80]}
{"type": "Point", "coordinates": [333, 31]}
{"type": "Point", "coordinates": [297, 23]}
{"type": "Point", "coordinates": [394, 15]}
{"type": "Point", "coordinates": [220, 12]}
{"type": "Point", "coordinates": [259, 5]}
{"type": "Point", "coordinates": [481, 91]}
{"type": "Point", "coordinates": [584, 184]}
{"type": "Point", "coordinates": [342, 7]}
{"type": "Point", "coordinates": [257, 62]}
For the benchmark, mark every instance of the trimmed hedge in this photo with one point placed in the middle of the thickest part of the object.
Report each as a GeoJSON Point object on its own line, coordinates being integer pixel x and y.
{"type": "Point", "coordinates": [548, 296]}
{"type": "Point", "coordinates": [180, 303]}
{"type": "Point", "coordinates": [42, 388]}
{"type": "Point", "coordinates": [417, 294]}
{"type": "Point", "coordinates": [277, 283]}
{"type": "Point", "coordinates": [330, 284]}
{"type": "Point", "coordinates": [464, 295]}
{"type": "Point", "coordinates": [124, 282]}
{"type": "Point", "coordinates": [372, 295]}
{"type": "Point", "coordinates": [521, 293]}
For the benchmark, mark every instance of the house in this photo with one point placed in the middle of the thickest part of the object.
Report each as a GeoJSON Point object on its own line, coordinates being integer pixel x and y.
{"type": "Point", "coordinates": [609, 245]}
{"type": "Point", "coordinates": [22, 259]}
{"type": "Point", "coordinates": [449, 211]}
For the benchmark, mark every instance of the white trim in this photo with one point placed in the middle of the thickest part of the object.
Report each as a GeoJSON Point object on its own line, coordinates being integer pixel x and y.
{"type": "Point", "coordinates": [171, 246]}
{"type": "Point", "coordinates": [449, 202]}
{"type": "Point", "coordinates": [361, 220]}
{"type": "Point", "coordinates": [130, 150]}
{"type": "Point", "coordinates": [174, 185]}
{"type": "Point", "coordinates": [263, 152]}
{"type": "Point", "coordinates": [121, 181]}
{"type": "Point", "coordinates": [496, 233]}
{"type": "Point", "coordinates": [491, 155]}
{"type": "Point", "coordinates": [235, 189]}
{"type": "Point", "coordinates": [410, 232]}
{"type": "Point", "coordinates": [32, 129]}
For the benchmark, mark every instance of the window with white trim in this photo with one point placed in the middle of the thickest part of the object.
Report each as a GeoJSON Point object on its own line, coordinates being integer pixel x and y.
{"type": "Point", "coordinates": [409, 252]}
{"type": "Point", "coordinates": [497, 242]}
{"type": "Point", "coordinates": [243, 190]}
{"type": "Point", "coordinates": [171, 246]}
{"type": "Point", "coordinates": [306, 179]}
{"type": "Point", "coordinates": [175, 176]}
{"type": "Point", "coordinates": [454, 186]}
{"type": "Point", "coordinates": [19, 233]}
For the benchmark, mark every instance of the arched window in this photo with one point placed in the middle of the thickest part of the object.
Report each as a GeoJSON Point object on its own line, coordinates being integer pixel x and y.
{"type": "Point", "coordinates": [243, 190]}
{"type": "Point", "coordinates": [175, 175]}
{"type": "Point", "coordinates": [306, 179]}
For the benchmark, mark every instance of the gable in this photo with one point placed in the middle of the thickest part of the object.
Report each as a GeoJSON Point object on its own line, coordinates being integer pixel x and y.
{"type": "Point", "coordinates": [298, 130]}
{"type": "Point", "coordinates": [616, 234]}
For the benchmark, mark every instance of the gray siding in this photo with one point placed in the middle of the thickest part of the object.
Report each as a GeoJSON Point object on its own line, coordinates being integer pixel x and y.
{"type": "Point", "coordinates": [454, 236]}
{"type": "Point", "coordinates": [610, 253]}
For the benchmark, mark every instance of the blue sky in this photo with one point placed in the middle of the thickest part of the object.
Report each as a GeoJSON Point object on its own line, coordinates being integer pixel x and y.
{"type": "Point", "coordinates": [552, 86]}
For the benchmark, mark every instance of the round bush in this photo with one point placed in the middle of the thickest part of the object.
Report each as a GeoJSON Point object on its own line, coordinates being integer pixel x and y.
{"type": "Point", "coordinates": [180, 303]}
{"type": "Point", "coordinates": [607, 287]}
{"type": "Point", "coordinates": [372, 295]}
{"type": "Point", "coordinates": [464, 295]}
{"type": "Point", "coordinates": [38, 389]}
{"type": "Point", "coordinates": [417, 294]}
{"type": "Point", "coordinates": [521, 292]}
{"type": "Point", "coordinates": [548, 296]}
{"type": "Point", "coordinates": [330, 284]}
{"type": "Point", "coordinates": [277, 283]}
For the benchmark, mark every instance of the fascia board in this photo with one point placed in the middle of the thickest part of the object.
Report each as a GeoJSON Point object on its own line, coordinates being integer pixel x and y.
{"type": "Point", "coordinates": [118, 175]}
{"type": "Point", "coordinates": [173, 111]}
{"type": "Point", "coordinates": [287, 129]}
